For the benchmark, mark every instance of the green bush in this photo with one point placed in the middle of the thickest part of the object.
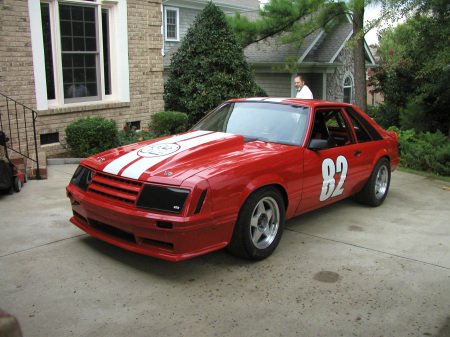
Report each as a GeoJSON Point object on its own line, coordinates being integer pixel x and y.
{"type": "Point", "coordinates": [166, 123]}
{"type": "Point", "coordinates": [385, 115]}
{"type": "Point", "coordinates": [91, 135]}
{"type": "Point", "coordinates": [428, 152]}
{"type": "Point", "coordinates": [130, 135]}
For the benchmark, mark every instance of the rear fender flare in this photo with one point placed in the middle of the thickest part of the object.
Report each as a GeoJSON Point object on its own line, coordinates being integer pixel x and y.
{"type": "Point", "coordinates": [380, 154]}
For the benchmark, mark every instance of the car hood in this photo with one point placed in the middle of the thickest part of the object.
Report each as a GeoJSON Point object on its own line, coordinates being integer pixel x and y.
{"type": "Point", "coordinates": [172, 160]}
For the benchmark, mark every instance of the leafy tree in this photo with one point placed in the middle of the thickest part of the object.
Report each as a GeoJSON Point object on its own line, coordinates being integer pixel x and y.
{"type": "Point", "coordinates": [208, 68]}
{"type": "Point", "coordinates": [414, 73]}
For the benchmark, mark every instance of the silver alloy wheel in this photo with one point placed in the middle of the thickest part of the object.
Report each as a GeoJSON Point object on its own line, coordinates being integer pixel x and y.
{"type": "Point", "coordinates": [381, 182]}
{"type": "Point", "coordinates": [264, 222]}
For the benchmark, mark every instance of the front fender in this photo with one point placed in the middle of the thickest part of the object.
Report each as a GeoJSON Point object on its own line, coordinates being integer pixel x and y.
{"type": "Point", "coordinates": [261, 181]}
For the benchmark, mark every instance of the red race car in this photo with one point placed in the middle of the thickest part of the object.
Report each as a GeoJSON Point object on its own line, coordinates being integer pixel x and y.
{"type": "Point", "coordinates": [234, 178]}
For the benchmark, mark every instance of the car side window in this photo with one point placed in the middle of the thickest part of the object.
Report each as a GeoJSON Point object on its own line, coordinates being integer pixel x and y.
{"type": "Point", "coordinates": [330, 125]}
{"type": "Point", "coordinates": [361, 133]}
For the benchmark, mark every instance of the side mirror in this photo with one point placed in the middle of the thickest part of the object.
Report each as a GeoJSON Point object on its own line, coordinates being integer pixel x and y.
{"type": "Point", "coordinates": [318, 144]}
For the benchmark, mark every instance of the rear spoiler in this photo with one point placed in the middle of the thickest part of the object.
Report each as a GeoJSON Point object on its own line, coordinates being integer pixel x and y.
{"type": "Point", "coordinates": [392, 134]}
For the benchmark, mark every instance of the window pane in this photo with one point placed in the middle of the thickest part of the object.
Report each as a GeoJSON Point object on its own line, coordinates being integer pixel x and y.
{"type": "Point", "coordinates": [77, 13]}
{"type": "Point", "coordinates": [78, 62]}
{"type": "Point", "coordinates": [90, 29]}
{"type": "Point", "coordinates": [106, 63]}
{"type": "Point", "coordinates": [77, 26]}
{"type": "Point", "coordinates": [347, 95]}
{"type": "Point", "coordinates": [48, 56]}
{"type": "Point", "coordinates": [80, 79]}
{"type": "Point", "coordinates": [171, 24]}
{"type": "Point", "coordinates": [91, 74]}
{"type": "Point", "coordinates": [361, 133]}
{"type": "Point", "coordinates": [348, 82]}
{"type": "Point", "coordinates": [79, 51]}
{"type": "Point", "coordinates": [91, 44]}
{"type": "Point", "coordinates": [78, 44]}
{"type": "Point", "coordinates": [66, 28]}
{"type": "Point", "coordinates": [89, 15]}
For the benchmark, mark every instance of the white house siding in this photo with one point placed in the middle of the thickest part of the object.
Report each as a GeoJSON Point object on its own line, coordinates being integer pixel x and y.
{"type": "Point", "coordinates": [276, 85]}
{"type": "Point", "coordinates": [186, 17]}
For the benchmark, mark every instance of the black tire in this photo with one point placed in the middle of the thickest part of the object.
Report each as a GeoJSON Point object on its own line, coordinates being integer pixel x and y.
{"type": "Point", "coordinates": [377, 186]}
{"type": "Point", "coordinates": [259, 226]}
{"type": "Point", "coordinates": [17, 184]}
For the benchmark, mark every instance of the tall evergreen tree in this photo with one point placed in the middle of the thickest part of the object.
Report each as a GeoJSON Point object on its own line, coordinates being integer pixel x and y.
{"type": "Point", "coordinates": [208, 68]}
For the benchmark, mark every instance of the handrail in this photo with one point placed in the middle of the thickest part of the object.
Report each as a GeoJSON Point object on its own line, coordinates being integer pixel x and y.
{"type": "Point", "coordinates": [16, 122]}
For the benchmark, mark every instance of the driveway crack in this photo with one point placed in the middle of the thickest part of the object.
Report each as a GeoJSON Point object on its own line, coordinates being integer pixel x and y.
{"type": "Point", "coordinates": [43, 245]}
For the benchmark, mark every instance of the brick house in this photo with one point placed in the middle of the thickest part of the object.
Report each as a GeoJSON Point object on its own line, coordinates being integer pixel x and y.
{"type": "Point", "coordinates": [69, 59]}
{"type": "Point", "coordinates": [322, 59]}
{"type": "Point", "coordinates": [62, 60]}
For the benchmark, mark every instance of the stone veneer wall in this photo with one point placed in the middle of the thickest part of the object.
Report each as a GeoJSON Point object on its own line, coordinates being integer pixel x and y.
{"type": "Point", "coordinates": [335, 81]}
{"type": "Point", "coordinates": [145, 66]}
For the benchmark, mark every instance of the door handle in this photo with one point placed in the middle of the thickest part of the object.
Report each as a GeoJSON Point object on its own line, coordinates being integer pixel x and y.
{"type": "Point", "coordinates": [357, 153]}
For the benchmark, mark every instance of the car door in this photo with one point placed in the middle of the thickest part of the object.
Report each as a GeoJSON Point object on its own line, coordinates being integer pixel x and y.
{"type": "Point", "coordinates": [334, 169]}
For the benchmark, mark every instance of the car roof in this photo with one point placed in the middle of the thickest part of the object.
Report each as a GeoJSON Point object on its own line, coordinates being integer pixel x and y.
{"type": "Point", "coordinates": [287, 100]}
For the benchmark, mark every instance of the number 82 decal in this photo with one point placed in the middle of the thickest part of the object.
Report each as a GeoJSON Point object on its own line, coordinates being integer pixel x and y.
{"type": "Point", "coordinates": [329, 170]}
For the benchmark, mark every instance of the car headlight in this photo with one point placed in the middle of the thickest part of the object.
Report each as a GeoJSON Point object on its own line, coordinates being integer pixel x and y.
{"type": "Point", "coordinates": [82, 177]}
{"type": "Point", "coordinates": [162, 198]}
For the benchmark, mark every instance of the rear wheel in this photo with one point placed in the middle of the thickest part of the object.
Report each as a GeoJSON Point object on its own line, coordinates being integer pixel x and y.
{"type": "Point", "coordinates": [376, 188]}
{"type": "Point", "coordinates": [259, 225]}
{"type": "Point", "coordinates": [17, 184]}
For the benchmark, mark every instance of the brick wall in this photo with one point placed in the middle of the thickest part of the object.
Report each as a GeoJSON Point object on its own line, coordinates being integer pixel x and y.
{"type": "Point", "coordinates": [145, 66]}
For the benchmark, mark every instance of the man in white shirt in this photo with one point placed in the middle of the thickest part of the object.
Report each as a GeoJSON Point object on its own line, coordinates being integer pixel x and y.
{"type": "Point", "coordinates": [302, 90]}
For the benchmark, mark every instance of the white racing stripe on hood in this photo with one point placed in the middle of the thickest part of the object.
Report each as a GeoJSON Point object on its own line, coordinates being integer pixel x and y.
{"type": "Point", "coordinates": [138, 168]}
{"type": "Point", "coordinates": [134, 171]}
{"type": "Point", "coordinates": [118, 164]}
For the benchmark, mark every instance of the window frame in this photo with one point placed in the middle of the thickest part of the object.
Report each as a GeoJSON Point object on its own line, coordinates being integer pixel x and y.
{"type": "Point", "coordinates": [177, 28]}
{"type": "Point", "coordinates": [118, 52]}
{"type": "Point", "coordinates": [348, 87]}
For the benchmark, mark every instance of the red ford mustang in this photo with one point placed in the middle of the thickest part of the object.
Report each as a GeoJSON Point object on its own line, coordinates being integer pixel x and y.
{"type": "Point", "coordinates": [234, 178]}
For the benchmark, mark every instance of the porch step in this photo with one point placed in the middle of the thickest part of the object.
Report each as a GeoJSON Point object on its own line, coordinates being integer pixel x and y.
{"type": "Point", "coordinates": [30, 166]}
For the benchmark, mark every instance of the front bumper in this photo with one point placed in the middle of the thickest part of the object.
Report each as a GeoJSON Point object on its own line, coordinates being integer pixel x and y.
{"type": "Point", "coordinates": [169, 237]}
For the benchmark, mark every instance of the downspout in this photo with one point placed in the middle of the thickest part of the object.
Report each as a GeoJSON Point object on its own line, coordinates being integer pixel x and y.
{"type": "Point", "coordinates": [162, 28]}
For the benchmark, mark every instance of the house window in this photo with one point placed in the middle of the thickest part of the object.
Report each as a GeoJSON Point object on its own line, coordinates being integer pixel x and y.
{"type": "Point", "coordinates": [172, 24]}
{"type": "Point", "coordinates": [348, 86]}
{"type": "Point", "coordinates": [78, 46]}
{"type": "Point", "coordinates": [49, 138]}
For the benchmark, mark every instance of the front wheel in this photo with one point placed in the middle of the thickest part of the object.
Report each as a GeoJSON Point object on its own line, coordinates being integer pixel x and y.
{"type": "Point", "coordinates": [376, 188]}
{"type": "Point", "coordinates": [259, 225]}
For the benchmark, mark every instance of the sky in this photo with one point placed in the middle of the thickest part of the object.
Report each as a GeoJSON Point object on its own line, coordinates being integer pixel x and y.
{"type": "Point", "coordinates": [370, 13]}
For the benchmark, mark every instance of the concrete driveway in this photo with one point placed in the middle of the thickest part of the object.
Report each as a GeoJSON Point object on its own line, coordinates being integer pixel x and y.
{"type": "Point", "coordinates": [344, 270]}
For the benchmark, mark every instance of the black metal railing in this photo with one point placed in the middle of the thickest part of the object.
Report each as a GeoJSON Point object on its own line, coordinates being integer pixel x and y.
{"type": "Point", "coordinates": [18, 122]}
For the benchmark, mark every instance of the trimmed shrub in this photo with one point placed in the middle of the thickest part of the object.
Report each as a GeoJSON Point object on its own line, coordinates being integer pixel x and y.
{"type": "Point", "coordinates": [166, 123]}
{"type": "Point", "coordinates": [428, 152]}
{"type": "Point", "coordinates": [89, 136]}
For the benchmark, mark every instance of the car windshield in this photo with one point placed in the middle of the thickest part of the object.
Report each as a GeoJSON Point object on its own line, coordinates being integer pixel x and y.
{"type": "Point", "coordinates": [272, 122]}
